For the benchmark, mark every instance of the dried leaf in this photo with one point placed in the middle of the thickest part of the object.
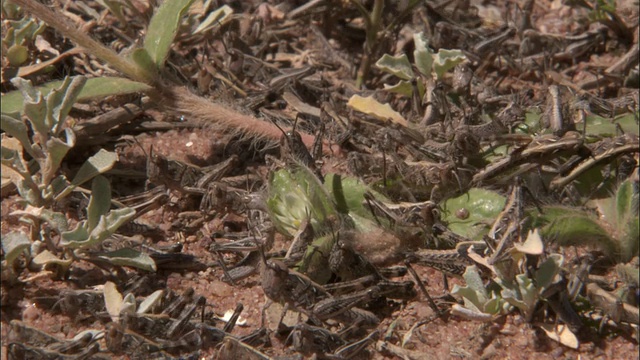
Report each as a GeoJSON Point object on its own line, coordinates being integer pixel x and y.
{"type": "Point", "coordinates": [13, 244]}
{"type": "Point", "coordinates": [150, 301]}
{"type": "Point", "coordinates": [112, 300]}
{"type": "Point", "coordinates": [561, 334]}
{"type": "Point", "coordinates": [371, 106]}
{"type": "Point", "coordinates": [217, 16]}
{"type": "Point", "coordinates": [533, 245]}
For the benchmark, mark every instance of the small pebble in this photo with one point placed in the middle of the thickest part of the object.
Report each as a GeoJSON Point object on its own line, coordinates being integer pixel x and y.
{"type": "Point", "coordinates": [30, 313]}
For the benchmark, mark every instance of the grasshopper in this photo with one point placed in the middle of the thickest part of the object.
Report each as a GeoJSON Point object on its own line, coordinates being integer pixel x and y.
{"type": "Point", "coordinates": [29, 343]}
{"type": "Point", "coordinates": [293, 149]}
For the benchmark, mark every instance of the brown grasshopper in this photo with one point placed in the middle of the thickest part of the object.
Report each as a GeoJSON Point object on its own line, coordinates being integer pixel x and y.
{"type": "Point", "coordinates": [186, 178]}
{"type": "Point", "coordinates": [293, 149]}
{"type": "Point", "coordinates": [308, 339]}
{"type": "Point", "coordinates": [298, 292]}
{"type": "Point", "coordinates": [29, 343]}
{"type": "Point", "coordinates": [539, 151]}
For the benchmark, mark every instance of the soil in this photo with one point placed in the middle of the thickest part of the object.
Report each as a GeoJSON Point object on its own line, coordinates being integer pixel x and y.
{"type": "Point", "coordinates": [291, 43]}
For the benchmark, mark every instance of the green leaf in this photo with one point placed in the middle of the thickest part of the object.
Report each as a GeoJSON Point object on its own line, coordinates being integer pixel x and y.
{"type": "Point", "coordinates": [57, 150]}
{"type": "Point", "coordinates": [57, 220]}
{"type": "Point", "coordinates": [108, 86]}
{"type": "Point", "coordinates": [483, 206]}
{"type": "Point", "coordinates": [81, 237]}
{"type": "Point", "coordinates": [129, 257]}
{"type": "Point", "coordinates": [548, 270]}
{"type": "Point", "coordinates": [75, 238]}
{"type": "Point", "coordinates": [17, 55]}
{"type": "Point", "coordinates": [446, 60]}
{"type": "Point", "coordinates": [46, 257]}
{"type": "Point", "coordinates": [100, 201]}
{"type": "Point", "coordinates": [99, 163]}
{"type": "Point", "coordinates": [474, 294]}
{"type": "Point", "coordinates": [34, 106]}
{"type": "Point", "coordinates": [474, 281]}
{"type": "Point", "coordinates": [11, 102]}
{"type": "Point", "coordinates": [625, 202]}
{"type": "Point", "coordinates": [142, 58]}
{"type": "Point", "coordinates": [422, 54]}
{"type": "Point", "coordinates": [600, 126]}
{"type": "Point", "coordinates": [295, 196]}
{"type": "Point", "coordinates": [18, 130]}
{"type": "Point", "coordinates": [60, 101]}
{"type": "Point", "coordinates": [403, 88]}
{"type": "Point", "coordinates": [13, 244]}
{"type": "Point", "coordinates": [522, 295]}
{"type": "Point", "coordinates": [109, 224]}
{"type": "Point", "coordinates": [569, 227]}
{"type": "Point", "coordinates": [396, 65]}
{"type": "Point", "coordinates": [163, 28]}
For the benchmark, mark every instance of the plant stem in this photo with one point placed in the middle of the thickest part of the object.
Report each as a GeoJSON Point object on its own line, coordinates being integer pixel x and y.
{"type": "Point", "coordinates": [372, 24]}
{"type": "Point", "coordinates": [171, 96]}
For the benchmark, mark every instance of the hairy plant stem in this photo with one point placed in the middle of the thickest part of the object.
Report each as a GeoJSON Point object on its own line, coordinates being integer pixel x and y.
{"type": "Point", "coordinates": [171, 96]}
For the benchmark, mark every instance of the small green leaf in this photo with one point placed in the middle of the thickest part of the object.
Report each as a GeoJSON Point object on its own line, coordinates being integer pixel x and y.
{"type": "Point", "coordinates": [35, 107]}
{"type": "Point", "coordinates": [446, 60]}
{"type": "Point", "coordinates": [601, 126]}
{"type": "Point", "coordinates": [101, 87]}
{"type": "Point", "coordinates": [46, 257]}
{"type": "Point", "coordinates": [474, 281]}
{"type": "Point", "coordinates": [75, 238]}
{"type": "Point", "coordinates": [57, 150]}
{"type": "Point", "coordinates": [396, 65]}
{"type": "Point", "coordinates": [60, 101]}
{"type": "Point", "coordinates": [100, 201]}
{"type": "Point", "coordinates": [99, 163]}
{"type": "Point", "coordinates": [403, 88]}
{"type": "Point", "coordinates": [107, 225]}
{"type": "Point", "coordinates": [17, 55]}
{"type": "Point", "coordinates": [57, 220]}
{"type": "Point", "coordinates": [474, 294]}
{"type": "Point", "coordinates": [129, 257]}
{"type": "Point", "coordinates": [548, 270]}
{"type": "Point", "coordinates": [13, 244]}
{"type": "Point", "coordinates": [163, 28]}
{"type": "Point", "coordinates": [18, 130]}
{"type": "Point", "coordinates": [422, 54]}
{"type": "Point", "coordinates": [522, 295]}
{"type": "Point", "coordinates": [108, 86]}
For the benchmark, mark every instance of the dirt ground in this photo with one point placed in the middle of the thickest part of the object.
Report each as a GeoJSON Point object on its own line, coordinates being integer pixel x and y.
{"type": "Point", "coordinates": [291, 42]}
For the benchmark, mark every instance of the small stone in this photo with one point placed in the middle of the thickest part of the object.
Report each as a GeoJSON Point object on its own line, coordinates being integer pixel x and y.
{"type": "Point", "coordinates": [30, 313]}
